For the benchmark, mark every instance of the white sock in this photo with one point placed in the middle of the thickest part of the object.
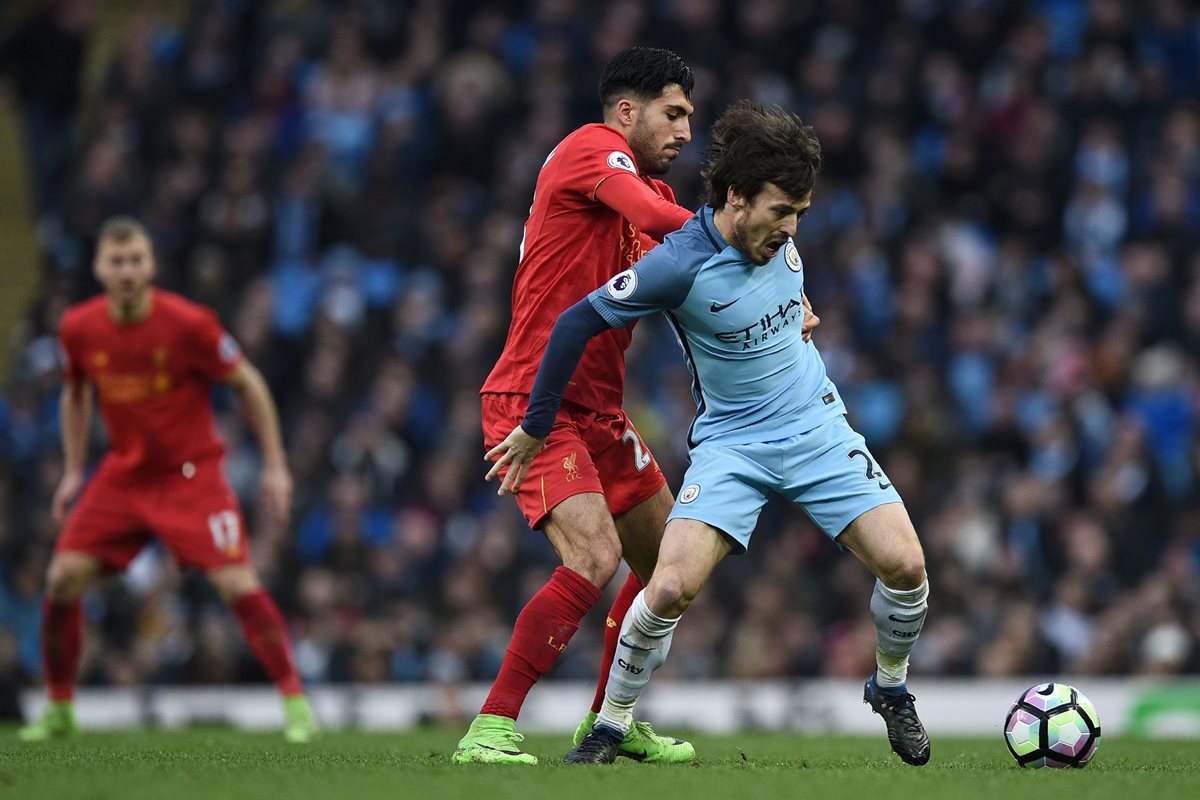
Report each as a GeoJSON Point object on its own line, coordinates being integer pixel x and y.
{"type": "Point", "coordinates": [642, 647]}
{"type": "Point", "coordinates": [899, 615]}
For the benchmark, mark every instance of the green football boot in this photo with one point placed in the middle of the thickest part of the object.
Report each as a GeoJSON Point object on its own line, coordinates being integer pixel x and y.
{"type": "Point", "coordinates": [643, 744]}
{"type": "Point", "coordinates": [58, 722]}
{"type": "Point", "coordinates": [300, 724]}
{"type": "Point", "coordinates": [492, 739]}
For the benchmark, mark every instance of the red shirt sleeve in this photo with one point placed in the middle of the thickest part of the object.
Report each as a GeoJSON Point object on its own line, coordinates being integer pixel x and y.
{"type": "Point", "coordinates": [69, 343]}
{"type": "Point", "coordinates": [587, 160]}
{"type": "Point", "coordinates": [215, 353]}
{"type": "Point", "coordinates": [650, 212]}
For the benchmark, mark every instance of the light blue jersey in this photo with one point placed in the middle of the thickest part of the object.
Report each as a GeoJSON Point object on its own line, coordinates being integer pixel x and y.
{"type": "Point", "coordinates": [769, 420]}
{"type": "Point", "coordinates": [754, 378]}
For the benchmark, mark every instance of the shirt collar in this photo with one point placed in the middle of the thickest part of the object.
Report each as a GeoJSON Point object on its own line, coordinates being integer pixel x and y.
{"type": "Point", "coordinates": [710, 228]}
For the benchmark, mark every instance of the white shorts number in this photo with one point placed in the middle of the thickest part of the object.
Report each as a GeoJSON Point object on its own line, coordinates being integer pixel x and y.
{"type": "Point", "coordinates": [641, 458]}
{"type": "Point", "coordinates": [225, 530]}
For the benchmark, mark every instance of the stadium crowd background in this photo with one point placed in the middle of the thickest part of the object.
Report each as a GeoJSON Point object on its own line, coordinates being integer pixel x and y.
{"type": "Point", "coordinates": [1002, 250]}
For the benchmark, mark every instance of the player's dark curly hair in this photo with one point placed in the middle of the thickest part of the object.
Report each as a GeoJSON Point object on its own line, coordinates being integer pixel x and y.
{"type": "Point", "coordinates": [644, 72]}
{"type": "Point", "coordinates": [753, 145]}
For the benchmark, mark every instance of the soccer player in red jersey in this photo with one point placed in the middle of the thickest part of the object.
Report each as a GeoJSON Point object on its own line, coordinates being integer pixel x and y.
{"type": "Point", "coordinates": [595, 491]}
{"type": "Point", "coordinates": [150, 358]}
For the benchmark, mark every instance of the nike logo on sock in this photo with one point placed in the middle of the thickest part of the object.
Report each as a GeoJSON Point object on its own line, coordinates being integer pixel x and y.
{"type": "Point", "coordinates": [917, 618]}
{"type": "Point", "coordinates": [715, 307]}
{"type": "Point", "coordinates": [631, 647]}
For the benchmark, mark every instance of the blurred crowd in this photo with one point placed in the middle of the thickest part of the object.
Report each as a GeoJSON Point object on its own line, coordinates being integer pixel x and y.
{"type": "Point", "coordinates": [1002, 250]}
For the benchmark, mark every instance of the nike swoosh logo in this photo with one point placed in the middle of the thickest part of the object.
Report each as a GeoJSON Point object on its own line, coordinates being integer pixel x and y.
{"type": "Point", "coordinates": [498, 750]}
{"type": "Point", "coordinates": [715, 307]}
{"type": "Point", "coordinates": [883, 485]}
{"type": "Point", "coordinates": [917, 618]}
{"type": "Point", "coordinates": [631, 647]}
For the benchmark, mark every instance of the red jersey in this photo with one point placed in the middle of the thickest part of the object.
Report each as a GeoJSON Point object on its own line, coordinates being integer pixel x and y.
{"type": "Point", "coordinates": [573, 243]}
{"type": "Point", "coordinates": [153, 379]}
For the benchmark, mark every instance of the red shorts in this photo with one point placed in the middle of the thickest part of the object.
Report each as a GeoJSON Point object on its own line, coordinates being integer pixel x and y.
{"type": "Point", "coordinates": [193, 513]}
{"type": "Point", "coordinates": [585, 452]}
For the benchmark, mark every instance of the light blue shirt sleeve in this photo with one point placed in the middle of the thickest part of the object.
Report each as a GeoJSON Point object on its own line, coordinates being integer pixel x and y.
{"type": "Point", "coordinates": [659, 282]}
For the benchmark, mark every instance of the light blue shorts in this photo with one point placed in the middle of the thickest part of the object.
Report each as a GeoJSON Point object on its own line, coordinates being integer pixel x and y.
{"type": "Point", "coordinates": [828, 472]}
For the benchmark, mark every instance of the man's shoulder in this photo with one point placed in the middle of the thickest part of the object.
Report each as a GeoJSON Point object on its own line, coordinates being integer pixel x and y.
{"type": "Point", "coordinates": [595, 145]}
{"type": "Point", "coordinates": [679, 259]}
{"type": "Point", "coordinates": [178, 307]}
{"type": "Point", "coordinates": [85, 313]}
{"type": "Point", "coordinates": [594, 134]}
{"type": "Point", "coordinates": [691, 243]}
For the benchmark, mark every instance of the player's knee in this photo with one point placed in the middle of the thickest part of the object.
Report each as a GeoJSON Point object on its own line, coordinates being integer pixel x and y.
{"type": "Point", "coordinates": [670, 592]}
{"type": "Point", "coordinates": [66, 580]}
{"type": "Point", "coordinates": [233, 582]}
{"type": "Point", "coordinates": [598, 564]}
{"type": "Point", "coordinates": [906, 571]}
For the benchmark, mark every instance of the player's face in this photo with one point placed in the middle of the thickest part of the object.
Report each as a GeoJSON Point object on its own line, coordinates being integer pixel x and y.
{"type": "Point", "coordinates": [663, 126]}
{"type": "Point", "coordinates": [125, 268]}
{"type": "Point", "coordinates": [763, 224]}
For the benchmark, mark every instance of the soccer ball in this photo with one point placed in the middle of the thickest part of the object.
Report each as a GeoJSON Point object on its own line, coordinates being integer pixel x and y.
{"type": "Point", "coordinates": [1052, 725]}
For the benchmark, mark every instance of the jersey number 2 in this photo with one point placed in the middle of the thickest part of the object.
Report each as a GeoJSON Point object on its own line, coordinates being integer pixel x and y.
{"type": "Point", "coordinates": [641, 459]}
{"type": "Point", "coordinates": [872, 475]}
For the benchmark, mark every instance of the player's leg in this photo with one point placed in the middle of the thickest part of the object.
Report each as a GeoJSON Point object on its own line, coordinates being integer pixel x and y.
{"type": "Point", "coordinates": [563, 497]}
{"type": "Point", "coordinates": [724, 491]}
{"type": "Point", "coordinates": [102, 533]}
{"type": "Point", "coordinates": [582, 533]}
{"type": "Point", "coordinates": [886, 542]}
{"type": "Point", "coordinates": [69, 574]}
{"type": "Point", "coordinates": [884, 539]}
{"type": "Point", "coordinates": [837, 480]}
{"type": "Point", "coordinates": [640, 530]}
{"type": "Point", "coordinates": [689, 552]}
{"type": "Point", "coordinates": [204, 529]}
{"type": "Point", "coordinates": [640, 501]}
{"type": "Point", "coordinates": [267, 635]}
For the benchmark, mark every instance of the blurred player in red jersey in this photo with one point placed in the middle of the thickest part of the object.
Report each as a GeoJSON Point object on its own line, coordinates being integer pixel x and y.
{"type": "Point", "coordinates": [595, 491]}
{"type": "Point", "coordinates": [151, 357]}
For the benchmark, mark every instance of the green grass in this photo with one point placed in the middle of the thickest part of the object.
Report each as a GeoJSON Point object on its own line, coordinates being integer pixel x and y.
{"type": "Point", "coordinates": [219, 764]}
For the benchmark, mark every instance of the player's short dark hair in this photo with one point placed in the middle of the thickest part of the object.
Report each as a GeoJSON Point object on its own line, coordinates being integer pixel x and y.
{"type": "Point", "coordinates": [644, 73]}
{"type": "Point", "coordinates": [753, 145]}
{"type": "Point", "coordinates": [121, 228]}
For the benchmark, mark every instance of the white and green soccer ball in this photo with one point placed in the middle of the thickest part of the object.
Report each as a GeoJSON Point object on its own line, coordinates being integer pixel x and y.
{"type": "Point", "coordinates": [1052, 725]}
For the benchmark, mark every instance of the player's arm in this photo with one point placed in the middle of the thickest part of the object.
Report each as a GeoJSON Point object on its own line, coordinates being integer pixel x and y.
{"type": "Point", "coordinates": [260, 411]}
{"type": "Point", "coordinates": [650, 213]}
{"type": "Point", "coordinates": [574, 329]}
{"type": "Point", "coordinates": [75, 409]}
{"type": "Point", "coordinates": [658, 282]}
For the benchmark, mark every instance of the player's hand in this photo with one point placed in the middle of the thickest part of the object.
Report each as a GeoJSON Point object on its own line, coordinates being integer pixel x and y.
{"type": "Point", "coordinates": [276, 487]}
{"type": "Point", "coordinates": [515, 452]}
{"type": "Point", "coordinates": [65, 494]}
{"type": "Point", "coordinates": [811, 320]}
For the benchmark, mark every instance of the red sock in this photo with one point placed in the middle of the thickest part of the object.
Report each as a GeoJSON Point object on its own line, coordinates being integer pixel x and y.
{"type": "Point", "coordinates": [62, 638]}
{"type": "Point", "coordinates": [267, 636]}
{"type": "Point", "coordinates": [543, 628]}
{"type": "Point", "coordinates": [612, 633]}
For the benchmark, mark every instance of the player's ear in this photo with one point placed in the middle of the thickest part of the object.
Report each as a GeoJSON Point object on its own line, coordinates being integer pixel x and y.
{"type": "Point", "coordinates": [626, 111]}
{"type": "Point", "coordinates": [734, 200]}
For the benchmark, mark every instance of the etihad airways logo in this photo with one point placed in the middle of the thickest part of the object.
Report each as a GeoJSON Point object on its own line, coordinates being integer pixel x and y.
{"type": "Point", "coordinates": [768, 325]}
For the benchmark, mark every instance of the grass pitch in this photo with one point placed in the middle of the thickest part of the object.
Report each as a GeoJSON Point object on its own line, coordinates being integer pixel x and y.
{"type": "Point", "coordinates": [219, 764]}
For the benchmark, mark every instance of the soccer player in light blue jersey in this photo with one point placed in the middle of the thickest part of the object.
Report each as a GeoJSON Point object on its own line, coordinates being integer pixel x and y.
{"type": "Point", "coordinates": [769, 420]}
